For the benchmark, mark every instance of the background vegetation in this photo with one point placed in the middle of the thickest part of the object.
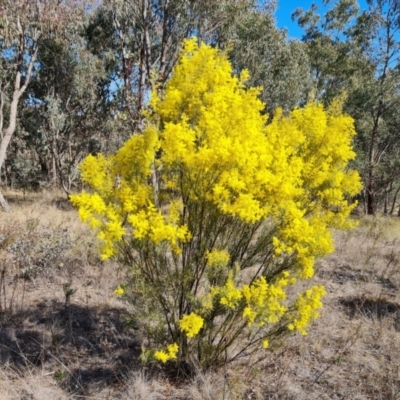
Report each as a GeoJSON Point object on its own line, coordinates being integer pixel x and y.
{"type": "Point", "coordinates": [76, 75]}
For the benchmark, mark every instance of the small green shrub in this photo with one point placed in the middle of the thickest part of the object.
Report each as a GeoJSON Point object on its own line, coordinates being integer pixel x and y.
{"type": "Point", "coordinates": [38, 251]}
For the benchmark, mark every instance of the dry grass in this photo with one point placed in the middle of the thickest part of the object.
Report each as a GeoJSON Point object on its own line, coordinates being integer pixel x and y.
{"type": "Point", "coordinates": [51, 350]}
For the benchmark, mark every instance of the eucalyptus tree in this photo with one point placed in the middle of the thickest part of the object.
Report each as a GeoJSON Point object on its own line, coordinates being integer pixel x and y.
{"type": "Point", "coordinates": [356, 52]}
{"type": "Point", "coordinates": [68, 110]}
{"type": "Point", "coordinates": [335, 60]}
{"type": "Point", "coordinates": [23, 25]}
{"type": "Point", "coordinates": [276, 63]}
{"type": "Point", "coordinates": [375, 102]}
{"type": "Point", "coordinates": [140, 41]}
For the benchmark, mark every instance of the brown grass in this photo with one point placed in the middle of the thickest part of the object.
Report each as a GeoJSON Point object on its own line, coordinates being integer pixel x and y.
{"type": "Point", "coordinates": [87, 349]}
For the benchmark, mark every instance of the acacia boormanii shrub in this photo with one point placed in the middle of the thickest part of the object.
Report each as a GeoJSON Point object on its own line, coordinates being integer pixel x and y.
{"type": "Point", "coordinates": [216, 213]}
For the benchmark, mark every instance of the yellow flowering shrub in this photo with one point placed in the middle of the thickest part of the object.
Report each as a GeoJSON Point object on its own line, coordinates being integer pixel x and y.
{"type": "Point", "coordinates": [216, 212]}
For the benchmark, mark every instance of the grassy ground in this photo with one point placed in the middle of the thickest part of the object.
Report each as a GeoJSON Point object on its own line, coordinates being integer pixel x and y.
{"type": "Point", "coordinates": [63, 335]}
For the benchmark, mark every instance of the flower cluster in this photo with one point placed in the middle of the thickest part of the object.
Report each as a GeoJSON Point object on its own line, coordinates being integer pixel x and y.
{"type": "Point", "coordinates": [229, 295]}
{"type": "Point", "coordinates": [263, 303]}
{"type": "Point", "coordinates": [121, 194]}
{"type": "Point", "coordinates": [119, 291]}
{"type": "Point", "coordinates": [306, 307]}
{"type": "Point", "coordinates": [191, 324]}
{"type": "Point", "coordinates": [218, 258]}
{"type": "Point", "coordinates": [169, 354]}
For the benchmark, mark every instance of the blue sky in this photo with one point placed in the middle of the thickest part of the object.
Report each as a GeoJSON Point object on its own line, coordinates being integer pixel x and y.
{"type": "Point", "coordinates": [286, 8]}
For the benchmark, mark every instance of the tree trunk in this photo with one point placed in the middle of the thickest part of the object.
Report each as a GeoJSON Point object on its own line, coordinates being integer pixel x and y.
{"type": "Point", "coordinates": [371, 202]}
{"type": "Point", "coordinates": [18, 91]}
{"type": "Point", "coordinates": [371, 187]}
{"type": "Point", "coordinates": [7, 138]}
{"type": "Point", "coordinates": [394, 200]}
{"type": "Point", "coordinates": [385, 207]}
{"type": "Point", "coordinates": [3, 203]}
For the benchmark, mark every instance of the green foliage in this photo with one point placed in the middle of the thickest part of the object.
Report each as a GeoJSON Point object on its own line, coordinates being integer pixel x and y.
{"type": "Point", "coordinates": [59, 375]}
{"type": "Point", "coordinates": [279, 65]}
{"type": "Point", "coordinates": [216, 213]}
{"type": "Point", "coordinates": [336, 62]}
{"type": "Point", "coordinates": [26, 26]}
{"type": "Point", "coordinates": [37, 251]}
{"type": "Point", "coordinates": [356, 52]}
{"type": "Point", "coordinates": [62, 122]}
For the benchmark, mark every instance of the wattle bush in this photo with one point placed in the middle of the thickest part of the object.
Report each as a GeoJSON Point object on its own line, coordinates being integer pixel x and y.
{"type": "Point", "coordinates": [215, 212]}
